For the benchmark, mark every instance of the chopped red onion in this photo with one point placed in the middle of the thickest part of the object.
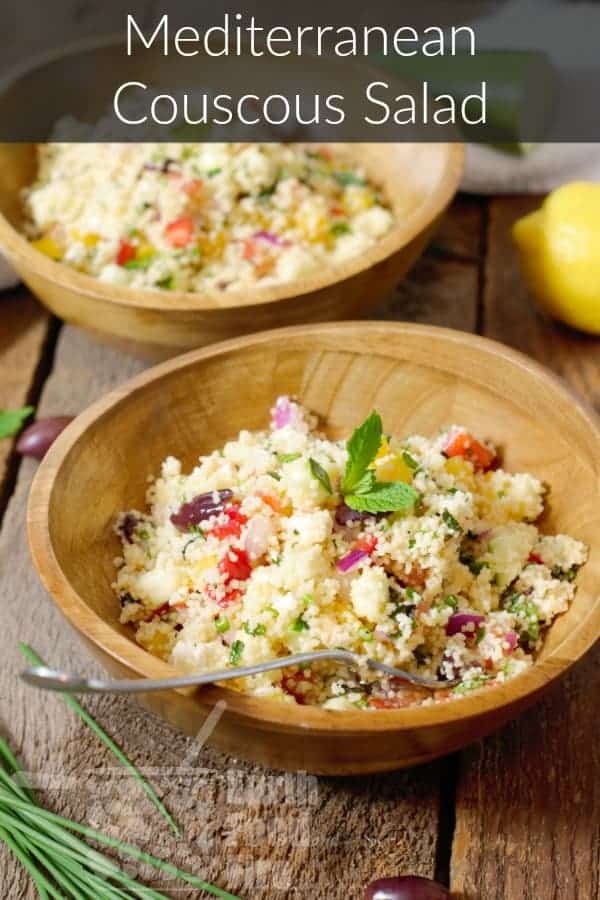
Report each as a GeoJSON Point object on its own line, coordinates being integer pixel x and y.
{"type": "Point", "coordinates": [350, 560]}
{"type": "Point", "coordinates": [200, 508]}
{"type": "Point", "coordinates": [271, 238]}
{"type": "Point", "coordinates": [281, 414]}
{"type": "Point", "coordinates": [460, 623]}
{"type": "Point", "coordinates": [512, 639]}
{"type": "Point", "coordinates": [258, 535]}
{"type": "Point", "coordinates": [382, 635]}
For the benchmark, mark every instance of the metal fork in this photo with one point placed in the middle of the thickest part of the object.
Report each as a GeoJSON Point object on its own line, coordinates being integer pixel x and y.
{"type": "Point", "coordinates": [53, 680]}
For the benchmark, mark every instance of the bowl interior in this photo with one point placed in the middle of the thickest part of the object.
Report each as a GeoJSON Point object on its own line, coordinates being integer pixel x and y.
{"type": "Point", "coordinates": [420, 379]}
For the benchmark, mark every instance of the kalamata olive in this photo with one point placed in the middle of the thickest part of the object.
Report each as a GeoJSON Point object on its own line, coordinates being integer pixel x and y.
{"type": "Point", "coordinates": [406, 887]}
{"type": "Point", "coordinates": [200, 508]}
{"type": "Point", "coordinates": [38, 437]}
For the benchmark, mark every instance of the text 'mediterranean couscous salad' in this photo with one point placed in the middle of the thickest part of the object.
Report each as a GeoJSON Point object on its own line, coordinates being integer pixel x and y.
{"type": "Point", "coordinates": [418, 552]}
{"type": "Point", "coordinates": [189, 217]}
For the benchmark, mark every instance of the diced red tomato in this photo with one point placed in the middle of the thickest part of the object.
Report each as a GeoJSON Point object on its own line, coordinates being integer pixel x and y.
{"type": "Point", "coordinates": [193, 187]}
{"type": "Point", "coordinates": [233, 526]}
{"type": "Point", "coordinates": [226, 600]}
{"type": "Point", "coordinates": [250, 249]}
{"type": "Point", "coordinates": [397, 701]}
{"type": "Point", "coordinates": [535, 558]}
{"type": "Point", "coordinates": [368, 544]}
{"type": "Point", "coordinates": [160, 611]}
{"type": "Point", "coordinates": [290, 684]}
{"type": "Point", "coordinates": [125, 253]}
{"type": "Point", "coordinates": [463, 444]}
{"type": "Point", "coordinates": [235, 565]}
{"type": "Point", "coordinates": [180, 232]}
{"type": "Point", "coordinates": [229, 598]}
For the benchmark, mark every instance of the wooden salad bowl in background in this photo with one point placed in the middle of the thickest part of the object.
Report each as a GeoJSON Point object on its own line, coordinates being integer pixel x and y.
{"type": "Point", "coordinates": [420, 379]}
{"type": "Point", "coordinates": [419, 180]}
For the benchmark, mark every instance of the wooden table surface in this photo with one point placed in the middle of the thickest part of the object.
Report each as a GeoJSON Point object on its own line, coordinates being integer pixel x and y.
{"type": "Point", "coordinates": [515, 817]}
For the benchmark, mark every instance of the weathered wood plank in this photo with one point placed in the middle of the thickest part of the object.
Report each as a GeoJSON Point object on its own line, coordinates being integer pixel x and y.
{"type": "Point", "coordinates": [23, 331]}
{"type": "Point", "coordinates": [528, 799]}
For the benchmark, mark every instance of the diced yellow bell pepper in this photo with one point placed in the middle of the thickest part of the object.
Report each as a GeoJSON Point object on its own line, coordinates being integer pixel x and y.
{"type": "Point", "coordinates": [48, 247]}
{"type": "Point", "coordinates": [393, 468]}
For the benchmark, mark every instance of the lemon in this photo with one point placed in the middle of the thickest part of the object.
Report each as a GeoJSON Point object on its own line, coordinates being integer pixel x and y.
{"type": "Point", "coordinates": [559, 246]}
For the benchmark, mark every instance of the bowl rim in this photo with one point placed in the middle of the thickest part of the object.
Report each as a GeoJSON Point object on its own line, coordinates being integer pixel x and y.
{"type": "Point", "coordinates": [16, 245]}
{"type": "Point", "coordinates": [272, 714]}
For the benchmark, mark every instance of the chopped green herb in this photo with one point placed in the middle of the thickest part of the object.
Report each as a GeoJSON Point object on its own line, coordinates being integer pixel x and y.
{"type": "Point", "coordinates": [288, 457]}
{"type": "Point", "coordinates": [479, 634]}
{"type": "Point", "coordinates": [472, 684]}
{"type": "Point", "coordinates": [452, 601]}
{"type": "Point", "coordinates": [12, 420]}
{"type": "Point", "coordinates": [528, 615]}
{"type": "Point", "coordinates": [273, 611]}
{"type": "Point", "coordinates": [235, 655]}
{"type": "Point", "coordinates": [320, 474]}
{"type": "Point", "coordinates": [410, 460]}
{"type": "Point", "coordinates": [275, 475]}
{"type": "Point", "coordinates": [362, 703]}
{"type": "Point", "coordinates": [299, 624]}
{"type": "Point", "coordinates": [167, 283]}
{"type": "Point", "coordinates": [138, 263]}
{"type": "Point", "coordinates": [565, 574]}
{"type": "Point", "coordinates": [222, 624]}
{"type": "Point", "coordinates": [349, 178]}
{"type": "Point", "coordinates": [475, 566]}
{"type": "Point", "coordinates": [216, 171]}
{"type": "Point", "coordinates": [366, 634]}
{"type": "Point", "coordinates": [388, 496]}
{"type": "Point", "coordinates": [340, 228]}
{"type": "Point", "coordinates": [449, 520]}
{"type": "Point", "coordinates": [257, 631]}
{"type": "Point", "coordinates": [362, 448]}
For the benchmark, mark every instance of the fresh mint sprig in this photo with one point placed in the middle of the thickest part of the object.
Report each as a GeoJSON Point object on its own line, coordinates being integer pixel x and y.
{"type": "Point", "coordinates": [360, 487]}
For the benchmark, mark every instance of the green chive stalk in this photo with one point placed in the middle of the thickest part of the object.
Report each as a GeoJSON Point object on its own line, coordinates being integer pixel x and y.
{"type": "Point", "coordinates": [62, 865]}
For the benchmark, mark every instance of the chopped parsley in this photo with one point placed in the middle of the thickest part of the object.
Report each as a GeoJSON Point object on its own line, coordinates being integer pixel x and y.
{"type": "Point", "coordinates": [222, 625]}
{"type": "Point", "coordinates": [237, 648]}
{"type": "Point", "coordinates": [288, 457]}
{"type": "Point", "coordinates": [318, 472]}
{"type": "Point", "coordinates": [299, 624]}
{"type": "Point", "coordinates": [449, 520]}
{"type": "Point", "coordinates": [257, 631]}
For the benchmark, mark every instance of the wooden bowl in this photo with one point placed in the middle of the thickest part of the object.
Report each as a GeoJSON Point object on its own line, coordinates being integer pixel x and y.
{"type": "Point", "coordinates": [420, 379]}
{"type": "Point", "coordinates": [419, 179]}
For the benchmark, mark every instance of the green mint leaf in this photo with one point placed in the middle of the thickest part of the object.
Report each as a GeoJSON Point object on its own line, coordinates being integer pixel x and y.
{"type": "Point", "coordinates": [384, 497]}
{"type": "Point", "coordinates": [362, 447]}
{"type": "Point", "coordinates": [288, 457]}
{"type": "Point", "coordinates": [320, 474]}
{"type": "Point", "coordinates": [366, 483]}
{"type": "Point", "coordinates": [12, 420]}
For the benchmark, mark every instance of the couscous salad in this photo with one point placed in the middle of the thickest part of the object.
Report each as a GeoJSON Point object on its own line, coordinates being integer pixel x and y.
{"type": "Point", "coordinates": [190, 217]}
{"type": "Point", "coordinates": [420, 552]}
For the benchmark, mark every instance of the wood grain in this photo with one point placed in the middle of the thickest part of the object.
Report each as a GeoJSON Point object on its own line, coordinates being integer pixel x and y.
{"type": "Point", "coordinates": [528, 799]}
{"type": "Point", "coordinates": [22, 335]}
